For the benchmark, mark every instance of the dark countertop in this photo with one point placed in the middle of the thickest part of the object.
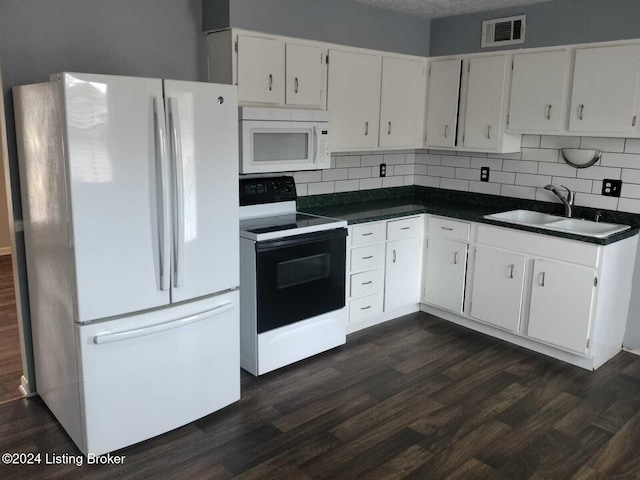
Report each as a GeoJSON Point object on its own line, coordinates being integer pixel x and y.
{"type": "Point", "coordinates": [355, 209]}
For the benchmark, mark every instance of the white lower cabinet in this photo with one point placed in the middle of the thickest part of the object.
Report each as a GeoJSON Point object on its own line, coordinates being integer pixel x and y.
{"type": "Point", "coordinates": [497, 292]}
{"type": "Point", "coordinates": [445, 273]}
{"type": "Point", "coordinates": [562, 297]}
{"type": "Point", "coordinates": [402, 273]}
{"type": "Point", "coordinates": [383, 269]}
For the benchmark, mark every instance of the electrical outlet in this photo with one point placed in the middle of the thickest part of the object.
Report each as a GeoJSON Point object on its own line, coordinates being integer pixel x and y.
{"type": "Point", "coordinates": [484, 174]}
{"type": "Point", "coordinates": [383, 169]}
{"type": "Point", "coordinates": [611, 188]}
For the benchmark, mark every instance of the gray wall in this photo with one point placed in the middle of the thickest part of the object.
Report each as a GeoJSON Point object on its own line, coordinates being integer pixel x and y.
{"type": "Point", "coordinates": [560, 22]}
{"type": "Point", "coordinates": [337, 21]}
{"type": "Point", "coordinates": [153, 38]}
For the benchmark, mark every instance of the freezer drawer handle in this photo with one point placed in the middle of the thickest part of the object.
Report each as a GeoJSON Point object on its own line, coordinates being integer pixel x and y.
{"type": "Point", "coordinates": [110, 337]}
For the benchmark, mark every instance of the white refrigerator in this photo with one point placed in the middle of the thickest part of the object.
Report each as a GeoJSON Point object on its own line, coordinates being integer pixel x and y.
{"type": "Point", "coordinates": [130, 204]}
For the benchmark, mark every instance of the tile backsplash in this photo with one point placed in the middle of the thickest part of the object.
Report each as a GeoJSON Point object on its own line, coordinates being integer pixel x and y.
{"type": "Point", "coordinates": [522, 175]}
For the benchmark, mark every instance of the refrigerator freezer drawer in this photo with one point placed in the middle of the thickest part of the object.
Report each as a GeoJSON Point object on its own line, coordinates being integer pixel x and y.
{"type": "Point", "coordinates": [148, 374]}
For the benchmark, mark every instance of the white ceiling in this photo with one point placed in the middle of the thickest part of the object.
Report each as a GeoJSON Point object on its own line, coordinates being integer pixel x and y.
{"type": "Point", "coordinates": [444, 8]}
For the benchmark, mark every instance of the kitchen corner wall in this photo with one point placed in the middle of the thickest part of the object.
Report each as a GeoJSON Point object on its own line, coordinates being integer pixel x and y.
{"type": "Point", "coordinates": [520, 175]}
{"type": "Point", "coordinates": [524, 174]}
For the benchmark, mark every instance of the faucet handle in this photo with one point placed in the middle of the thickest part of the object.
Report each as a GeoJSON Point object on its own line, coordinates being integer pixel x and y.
{"type": "Point", "coordinates": [570, 194]}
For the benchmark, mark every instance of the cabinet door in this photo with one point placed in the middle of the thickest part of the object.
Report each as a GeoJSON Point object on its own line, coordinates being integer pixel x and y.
{"type": "Point", "coordinates": [605, 85]}
{"type": "Point", "coordinates": [537, 91]}
{"type": "Point", "coordinates": [353, 96]}
{"type": "Point", "coordinates": [498, 282]}
{"type": "Point", "coordinates": [304, 75]}
{"type": "Point", "coordinates": [442, 103]}
{"type": "Point", "coordinates": [561, 304]}
{"type": "Point", "coordinates": [402, 274]}
{"type": "Point", "coordinates": [402, 102]}
{"type": "Point", "coordinates": [485, 97]}
{"type": "Point", "coordinates": [445, 271]}
{"type": "Point", "coordinates": [260, 70]}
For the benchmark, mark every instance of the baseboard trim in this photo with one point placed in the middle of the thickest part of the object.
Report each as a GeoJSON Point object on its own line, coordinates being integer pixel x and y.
{"type": "Point", "coordinates": [635, 351]}
{"type": "Point", "coordinates": [5, 251]}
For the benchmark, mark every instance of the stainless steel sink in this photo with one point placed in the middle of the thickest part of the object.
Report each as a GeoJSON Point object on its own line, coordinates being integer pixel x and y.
{"type": "Point", "coordinates": [561, 224]}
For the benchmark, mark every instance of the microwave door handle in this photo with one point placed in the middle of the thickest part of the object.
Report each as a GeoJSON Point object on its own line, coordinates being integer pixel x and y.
{"type": "Point", "coordinates": [315, 144]}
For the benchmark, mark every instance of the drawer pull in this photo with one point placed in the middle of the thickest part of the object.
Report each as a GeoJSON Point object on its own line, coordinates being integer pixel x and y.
{"type": "Point", "coordinates": [448, 229]}
{"type": "Point", "coordinates": [405, 228]}
{"type": "Point", "coordinates": [367, 283]}
{"type": "Point", "coordinates": [365, 308]}
{"type": "Point", "coordinates": [367, 234]}
{"type": "Point", "coordinates": [368, 257]}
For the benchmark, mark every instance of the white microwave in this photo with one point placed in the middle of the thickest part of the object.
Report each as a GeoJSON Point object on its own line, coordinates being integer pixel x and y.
{"type": "Point", "coordinates": [283, 140]}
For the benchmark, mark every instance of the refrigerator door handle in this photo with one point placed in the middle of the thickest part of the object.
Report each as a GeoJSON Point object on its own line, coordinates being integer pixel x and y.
{"type": "Point", "coordinates": [164, 232]}
{"type": "Point", "coordinates": [178, 172]}
{"type": "Point", "coordinates": [111, 337]}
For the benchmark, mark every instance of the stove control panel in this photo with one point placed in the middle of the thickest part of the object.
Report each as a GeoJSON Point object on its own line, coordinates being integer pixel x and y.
{"type": "Point", "coordinates": [254, 191]}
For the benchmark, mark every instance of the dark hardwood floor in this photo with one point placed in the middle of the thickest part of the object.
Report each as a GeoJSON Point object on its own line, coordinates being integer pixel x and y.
{"type": "Point", "coordinates": [10, 359]}
{"type": "Point", "coordinates": [416, 398]}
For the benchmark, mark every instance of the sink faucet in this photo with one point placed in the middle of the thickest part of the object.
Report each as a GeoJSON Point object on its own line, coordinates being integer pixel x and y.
{"type": "Point", "coordinates": [568, 201]}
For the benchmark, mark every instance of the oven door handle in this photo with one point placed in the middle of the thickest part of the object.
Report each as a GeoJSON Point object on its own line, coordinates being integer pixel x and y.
{"type": "Point", "coordinates": [313, 237]}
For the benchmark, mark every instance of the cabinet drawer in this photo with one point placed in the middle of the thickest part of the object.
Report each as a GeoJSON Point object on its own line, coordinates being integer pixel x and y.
{"type": "Point", "coordinates": [406, 227]}
{"type": "Point", "coordinates": [365, 307]}
{"type": "Point", "coordinates": [367, 233]}
{"type": "Point", "coordinates": [364, 258]}
{"type": "Point", "coordinates": [365, 283]}
{"type": "Point", "coordinates": [449, 228]}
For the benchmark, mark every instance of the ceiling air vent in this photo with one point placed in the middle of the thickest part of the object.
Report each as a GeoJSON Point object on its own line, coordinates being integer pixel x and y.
{"type": "Point", "coordinates": [503, 31]}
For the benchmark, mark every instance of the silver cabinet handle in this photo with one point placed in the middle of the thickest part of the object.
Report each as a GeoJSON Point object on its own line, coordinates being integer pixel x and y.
{"type": "Point", "coordinates": [580, 111]}
{"type": "Point", "coordinates": [365, 308]}
{"type": "Point", "coordinates": [270, 82]}
{"type": "Point", "coordinates": [296, 87]}
{"type": "Point", "coordinates": [367, 234]}
{"type": "Point", "coordinates": [366, 128]}
{"type": "Point", "coordinates": [633, 121]}
{"type": "Point", "coordinates": [455, 258]}
{"type": "Point", "coordinates": [449, 229]}
{"type": "Point", "coordinates": [394, 256]}
{"type": "Point", "coordinates": [367, 283]}
{"type": "Point", "coordinates": [405, 228]}
{"type": "Point", "coordinates": [511, 269]}
{"type": "Point", "coordinates": [446, 131]}
{"type": "Point", "coordinates": [542, 275]}
{"type": "Point", "coordinates": [489, 132]}
{"type": "Point", "coordinates": [548, 113]}
{"type": "Point", "coordinates": [367, 258]}
{"type": "Point", "coordinates": [389, 129]}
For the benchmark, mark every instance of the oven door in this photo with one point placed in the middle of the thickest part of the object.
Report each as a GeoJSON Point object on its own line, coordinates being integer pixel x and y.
{"type": "Point", "coordinates": [270, 146]}
{"type": "Point", "coordinates": [300, 277]}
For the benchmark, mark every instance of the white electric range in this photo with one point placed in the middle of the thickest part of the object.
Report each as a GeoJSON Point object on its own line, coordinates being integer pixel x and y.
{"type": "Point", "coordinates": [292, 277]}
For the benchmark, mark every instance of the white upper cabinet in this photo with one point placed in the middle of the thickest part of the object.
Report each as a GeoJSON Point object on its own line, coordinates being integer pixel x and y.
{"type": "Point", "coordinates": [304, 75]}
{"type": "Point", "coordinates": [485, 102]}
{"type": "Point", "coordinates": [605, 90]}
{"type": "Point", "coordinates": [260, 70]}
{"type": "Point", "coordinates": [402, 102]}
{"type": "Point", "coordinates": [442, 102]}
{"type": "Point", "coordinates": [354, 99]}
{"type": "Point", "coordinates": [538, 91]}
